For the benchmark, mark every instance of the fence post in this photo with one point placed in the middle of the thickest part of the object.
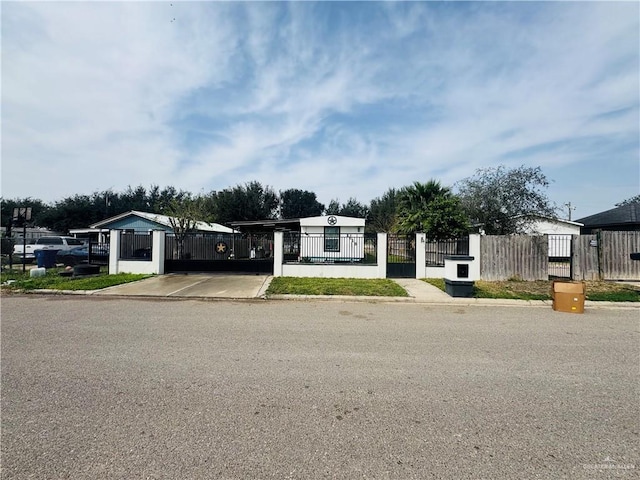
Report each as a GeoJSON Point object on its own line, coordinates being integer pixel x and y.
{"type": "Point", "coordinates": [278, 255]}
{"type": "Point", "coordinates": [157, 250]}
{"type": "Point", "coordinates": [421, 255]}
{"type": "Point", "coordinates": [474, 251]}
{"type": "Point", "coordinates": [381, 255]}
{"type": "Point", "coordinates": [114, 251]}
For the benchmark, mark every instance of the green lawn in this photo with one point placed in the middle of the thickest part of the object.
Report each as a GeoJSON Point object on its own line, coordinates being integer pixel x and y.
{"type": "Point", "coordinates": [541, 290]}
{"type": "Point", "coordinates": [16, 280]}
{"type": "Point", "coordinates": [335, 286]}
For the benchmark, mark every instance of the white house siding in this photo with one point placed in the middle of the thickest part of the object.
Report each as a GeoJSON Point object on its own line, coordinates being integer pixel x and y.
{"type": "Point", "coordinates": [351, 240]}
{"type": "Point", "coordinates": [559, 233]}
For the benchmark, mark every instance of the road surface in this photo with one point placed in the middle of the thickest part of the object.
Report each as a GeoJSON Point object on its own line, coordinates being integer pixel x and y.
{"type": "Point", "coordinates": [102, 388]}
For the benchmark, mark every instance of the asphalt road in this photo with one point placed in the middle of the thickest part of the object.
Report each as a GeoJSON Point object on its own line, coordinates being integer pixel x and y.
{"type": "Point", "coordinates": [102, 388]}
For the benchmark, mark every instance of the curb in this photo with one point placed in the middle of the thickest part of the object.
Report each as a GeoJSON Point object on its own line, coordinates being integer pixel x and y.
{"type": "Point", "coordinates": [453, 301]}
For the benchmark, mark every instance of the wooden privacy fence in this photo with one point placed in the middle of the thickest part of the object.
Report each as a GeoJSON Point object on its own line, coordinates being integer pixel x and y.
{"type": "Point", "coordinates": [604, 256]}
{"type": "Point", "coordinates": [514, 256]}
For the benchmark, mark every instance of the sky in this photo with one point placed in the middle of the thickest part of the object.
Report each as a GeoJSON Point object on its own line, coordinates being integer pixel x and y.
{"type": "Point", "coordinates": [345, 99]}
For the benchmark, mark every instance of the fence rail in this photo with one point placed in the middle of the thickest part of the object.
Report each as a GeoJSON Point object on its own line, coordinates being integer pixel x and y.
{"type": "Point", "coordinates": [329, 248]}
{"type": "Point", "coordinates": [135, 246]}
{"type": "Point", "coordinates": [223, 246]}
{"type": "Point", "coordinates": [436, 251]}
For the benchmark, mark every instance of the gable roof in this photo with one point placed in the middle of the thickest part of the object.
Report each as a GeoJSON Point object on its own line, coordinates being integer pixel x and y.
{"type": "Point", "coordinates": [543, 218]}
{"type": "Point", "coordinates": [163, 220]}
{"type": "Point", "coordinates": [624, 215]}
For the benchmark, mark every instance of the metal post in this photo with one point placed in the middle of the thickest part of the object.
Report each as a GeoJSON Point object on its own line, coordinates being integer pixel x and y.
{"type": "Point", "coordinates": [24, 247]}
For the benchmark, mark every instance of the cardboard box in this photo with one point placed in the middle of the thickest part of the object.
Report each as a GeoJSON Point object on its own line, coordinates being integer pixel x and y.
{"type": "Point", "coordinates": [568, 296]}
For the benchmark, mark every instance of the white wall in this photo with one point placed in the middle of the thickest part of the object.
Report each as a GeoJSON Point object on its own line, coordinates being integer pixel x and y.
{"type": "Point", "coordinates": [422, 271]}
{"type": "Point", "coordinates": [331, 270]}
{"type": "Point", "coordinates": [154, 266]}
{"type": "Point", "coordinates": [551, 227]}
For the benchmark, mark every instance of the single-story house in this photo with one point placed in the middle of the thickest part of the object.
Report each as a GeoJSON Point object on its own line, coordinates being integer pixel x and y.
{"type": "Point", "coordinates": [140, 222]}
{"type": "Point", "coordinates": [625, 218]}
{"type": "Point", "coordinates": [332, 238]}
{"type": "Point", "coordinates": [559, 232]}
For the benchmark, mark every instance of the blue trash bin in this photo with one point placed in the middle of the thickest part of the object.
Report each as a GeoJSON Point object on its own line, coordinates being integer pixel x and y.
{"type": "Point", "coordinates": [46, 258]}
{"type": "Point", "coordinates": [39, 258]}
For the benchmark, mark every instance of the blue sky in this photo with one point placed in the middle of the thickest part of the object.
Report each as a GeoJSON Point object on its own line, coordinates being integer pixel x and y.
{"type": "Point", "coordinates": [343, 99]}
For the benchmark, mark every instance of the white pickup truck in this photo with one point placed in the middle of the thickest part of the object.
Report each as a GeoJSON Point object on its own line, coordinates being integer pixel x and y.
{"type": "Point", "coordinates": [44, 243]}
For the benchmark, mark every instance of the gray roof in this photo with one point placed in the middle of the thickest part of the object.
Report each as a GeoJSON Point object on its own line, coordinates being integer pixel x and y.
{"type": "Point", "coordinates": [162, 220]}
{"type": "Point", "coordinates": [624, 215]}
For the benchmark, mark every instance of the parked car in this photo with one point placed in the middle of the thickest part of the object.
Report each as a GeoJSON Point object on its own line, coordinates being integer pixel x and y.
{"type": "Point", "coordinates": [75, 256]}
{"type": "Point", "coordinates": [44, 243]}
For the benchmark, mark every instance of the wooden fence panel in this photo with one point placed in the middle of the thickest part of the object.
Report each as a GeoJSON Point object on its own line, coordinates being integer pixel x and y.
{"type": "Point", "coordinates": [508, 256]}
{"type": "Point", "coordinates": [585, 257]}
{"type": "Point", "coordinates": [616, 248]}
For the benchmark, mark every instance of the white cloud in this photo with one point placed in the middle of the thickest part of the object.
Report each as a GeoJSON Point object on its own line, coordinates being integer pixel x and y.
{"type": "Point", "coordinates": [344, 99]}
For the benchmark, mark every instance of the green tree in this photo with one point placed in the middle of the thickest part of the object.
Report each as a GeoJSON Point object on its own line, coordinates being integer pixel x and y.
{"type": "Point", "coordinates": [629, 201]}
{"type": "Point", "coordinates": [432, 209]}
{"type": "Point", "coordinates": [38, 210]}
{"type": "Point", "coordinates": [78, 211]}
{"type": "Point", "coordinates": [184, 214]}
{"type": "Point", "coordinates": [251, 201]}
{"type": "Point", "coordinates": [296, 203]}
{"type": "Point", "coordinates": [333, 208]}
{"type": "Point", "coordinates": [353, 208]}
{"type": "Point", "coordinates": [160, 200]}
{"type": "Point", "coordinates": [383, 212]}
{"type": "Point", "coordinates": [502, 201]}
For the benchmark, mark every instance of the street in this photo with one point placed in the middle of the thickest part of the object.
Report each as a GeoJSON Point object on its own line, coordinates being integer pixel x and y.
{"type": "Point", "coordinates": [96, 388]}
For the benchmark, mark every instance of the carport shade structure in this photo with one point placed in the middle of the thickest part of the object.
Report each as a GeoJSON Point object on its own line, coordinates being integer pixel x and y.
{"type": "Point", "coordinates": [262, 226]}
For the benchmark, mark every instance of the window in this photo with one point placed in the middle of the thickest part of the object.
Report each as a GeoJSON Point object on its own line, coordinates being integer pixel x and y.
{"type": "Point", "coordinates": [331, 239]}
{"type": "Point", "coordinates": [74, 241]}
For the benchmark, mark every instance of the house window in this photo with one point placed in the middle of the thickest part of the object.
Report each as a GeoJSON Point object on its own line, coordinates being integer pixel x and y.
{"type": "Point", "coordinates": [331, 239]}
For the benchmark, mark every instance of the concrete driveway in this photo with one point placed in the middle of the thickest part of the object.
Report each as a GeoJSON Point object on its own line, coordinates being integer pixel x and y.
{"type": "Point", "coordinates": [194, 285]}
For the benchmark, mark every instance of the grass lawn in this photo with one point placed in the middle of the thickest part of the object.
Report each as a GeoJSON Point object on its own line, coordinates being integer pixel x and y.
{"type": "Point", "coordinates": [380, 287]}
{"type": "Point", "coordinates": [15, 280]}
{"type": "Point", "coordinates": [541, 290]}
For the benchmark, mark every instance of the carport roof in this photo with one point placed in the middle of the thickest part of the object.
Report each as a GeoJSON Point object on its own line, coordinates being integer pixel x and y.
{"type": "Point", "coordinates": [267, 225]}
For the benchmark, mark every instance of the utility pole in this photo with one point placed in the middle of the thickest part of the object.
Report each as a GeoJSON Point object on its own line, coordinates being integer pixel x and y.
{"type": "Point", "coordinates": [570, 207]}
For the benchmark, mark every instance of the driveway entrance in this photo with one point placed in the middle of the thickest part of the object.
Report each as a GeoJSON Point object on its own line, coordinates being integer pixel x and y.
{"type": "Point", "coordinates": [228, 252]}
{"type": "Point", "coordinates": [194, 286]}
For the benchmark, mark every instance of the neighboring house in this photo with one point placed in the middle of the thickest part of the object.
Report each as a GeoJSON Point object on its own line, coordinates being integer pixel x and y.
{"type": "Point", "coordinates": [332, 238]}
{"type": "Point", "coordinates": [31, 233]}
{"type": "Point", "coordinates": [140, 222]}
{"type": "Point", "coordinates": [625, 218]}
{"type": "Point", "coordinates": [559, 232]}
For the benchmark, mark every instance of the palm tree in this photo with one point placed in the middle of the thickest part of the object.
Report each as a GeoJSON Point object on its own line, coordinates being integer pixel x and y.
{"type": "Point", "coordinates": [432, 209]}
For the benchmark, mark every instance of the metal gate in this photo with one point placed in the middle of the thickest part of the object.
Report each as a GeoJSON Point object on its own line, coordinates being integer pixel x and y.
{"type": "Point", "coordinates": [401, 256]}
{"type": "Point", "coordinates": [222, 252]}
{"type": "Point", "coordinates": [560, 256]}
